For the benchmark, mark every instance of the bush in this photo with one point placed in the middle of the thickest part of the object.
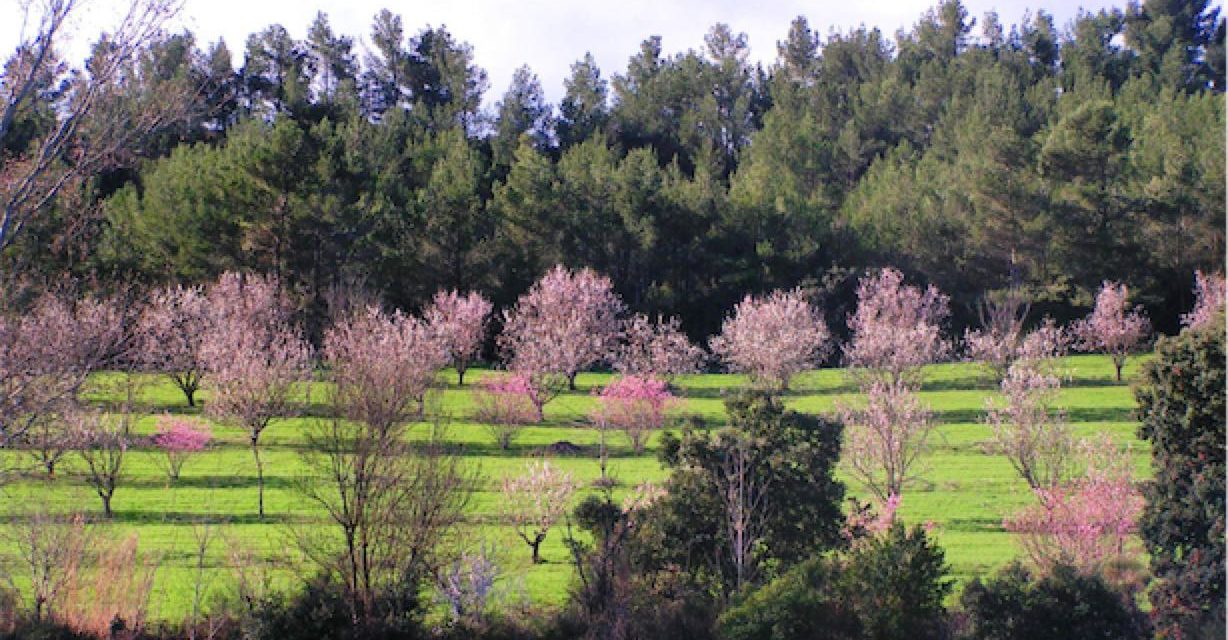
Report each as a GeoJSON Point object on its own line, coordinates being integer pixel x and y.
{"type": "Point", "coordinates": [1181, 405]}
{"type": "Point", "coordinates": [887, 586]}
{"type": "Point", "coordinates": [1065, 603]}
{"type": "Point", "coordinates": [803, 603]}
{"type": "Point", "coordinates": [322, 610]}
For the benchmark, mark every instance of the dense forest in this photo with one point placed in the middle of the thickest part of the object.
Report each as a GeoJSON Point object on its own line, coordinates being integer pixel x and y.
{"type": "Point", "coordinates": [970, 154]}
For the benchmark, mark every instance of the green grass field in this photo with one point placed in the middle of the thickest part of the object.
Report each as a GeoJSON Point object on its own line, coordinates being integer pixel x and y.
{"type": "Point", "coordinates": [964, 491]}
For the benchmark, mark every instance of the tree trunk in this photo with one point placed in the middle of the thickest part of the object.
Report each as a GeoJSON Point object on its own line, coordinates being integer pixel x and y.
{"type": "Point", "coordinates": [537, 544]}
{"type": "Point", "coordinates": [106, 506]}
{"type": "Point", "coordinates": [460, 374]}
{"type": "Point", "coordinates": [259, 475]}
{"type": "Point", "coordinates": [571, 380]}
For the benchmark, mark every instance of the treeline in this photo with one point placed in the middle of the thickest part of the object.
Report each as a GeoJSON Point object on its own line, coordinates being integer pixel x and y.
{"type": "Point", "coordinates": [972, 155]}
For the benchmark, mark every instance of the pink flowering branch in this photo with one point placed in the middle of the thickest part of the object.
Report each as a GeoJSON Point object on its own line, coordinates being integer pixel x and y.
{"type": "Point", "coordinates": [173, 327]}
{"type": "Point", "coordinates": [47, 353]}
{"type": "Point", "coordinates": [896, 328]}
{"type": "Point", "coordinates": [1086, 522]}
{"type": "Point", "coordinates": [382, 367]}
{"type": "Point", "coordinates": [535, 501]}
{"type": "Point", "coordinates": [253, 357]}
{"type": "Point", "coordinates": [658, 349]}
{"type": "Point", "coordinates": [1209, 291]}
{"type": "Point", "coordinates": [885, 439]}
{"type": "Point", "coordinates": [1028, 430]}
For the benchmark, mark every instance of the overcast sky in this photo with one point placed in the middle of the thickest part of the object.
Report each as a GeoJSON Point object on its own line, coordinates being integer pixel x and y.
{"type": "Point", "coordinates": [547, 35]}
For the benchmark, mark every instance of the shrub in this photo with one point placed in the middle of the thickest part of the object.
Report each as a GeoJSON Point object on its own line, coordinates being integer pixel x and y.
{"type": "Point", "coordinates": [1063, 603]}
{"type": "Point", "coordinates": [801, 604]}
{"type": "Point", "coordinates": [888, 586]}
{"type": "Point", "coordinates": [1181, 404]}
{"type": "Point", "coordinates": [322, 610]}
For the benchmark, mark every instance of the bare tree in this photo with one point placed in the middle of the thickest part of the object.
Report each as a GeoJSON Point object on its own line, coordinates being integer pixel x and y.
{"type": "Point", "coordinates": [103, 112]}
{"type": "Point", "coordinates": [49, 551]}
{"type": "Point", "coordinates": [48, 441]}
{"type": "Point", "coordinates": [997, 342]}
{"type": "Point", "coordinates": [745, 497]}
{"type": "Point", "coordinates": [390, 508]}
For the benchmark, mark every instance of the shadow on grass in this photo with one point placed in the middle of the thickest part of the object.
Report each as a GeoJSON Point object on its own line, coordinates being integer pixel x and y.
{"type": "Point", "coordinates": [120, 515]}
{"type": "Point", "coordinates": [211, 482]}
{"type": "Point", "coordinates": [1086, 414]}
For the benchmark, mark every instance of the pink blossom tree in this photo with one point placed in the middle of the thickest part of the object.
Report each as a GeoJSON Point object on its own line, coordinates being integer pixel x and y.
{"type": "Point", "coordinates": [635, 405]}
{"type": "Point", "coordinates": [179, 439]}
{"type": "Point", "coordinates": [896, 328]}
{"type": "Point", "coordinates": [47, 353]}
{"type": "Point", "coordinates": [896, 331]}
{"type": "Point", "coordinates": [172, 329]}
{"type": "Point", "coordinates": [657, 349]}
{"type": "Point", "coordinates": [253, 359]}
{"type": "Point", "coordinates": [1209, 291]}
{"type": "Point", "coordinates": [885, 438]}
{"type": "Point", "coordinates": [535, 501]}
{"type": "Point", "coordinates": [772, 338]}
{"type": "Point", "coordinates": [1113, 327]}
{"type": "Point", "coordinates": [459, 322]}
{"type": "Point", "coordinates": [564, 324]}
{"type": "Point", "coordinates": [505, 404]}
{"type": "Point", "coordinates": [1084, 522]}
{"type": "Point", "coordinates": [997, 352]}
{"type": "Point", "coordinates": [382, 366]}
{"type": "Point", "coordinates": [997, 341]}
{"type": "Point", "coordinates": [1028, 430]}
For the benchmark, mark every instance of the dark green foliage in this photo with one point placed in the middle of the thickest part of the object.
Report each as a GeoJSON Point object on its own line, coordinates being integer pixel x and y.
{"type": "Point", "coordinates": [1017, 605]}
{"type": "Point", "coordinates": [897, 582]}
{"type": "Point", "coordinates": [886, 587]}
{"type": "Point", "coordinates": [802, 604]}
{"type": "Point", "coordinates": [1181, 404]}
{"type": "Point", "coordinates": [322, 611]}
{"type": "Point", "coordinates": [791, 456]}
{"type": "Point", "coordinates": [1052, 157]}
{"type": "Point", "coordinates": [614, 594]}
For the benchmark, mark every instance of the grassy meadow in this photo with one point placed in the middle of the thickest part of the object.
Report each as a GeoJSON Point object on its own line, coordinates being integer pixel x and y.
{"type": "Point", "coordinates": [964, 491]}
